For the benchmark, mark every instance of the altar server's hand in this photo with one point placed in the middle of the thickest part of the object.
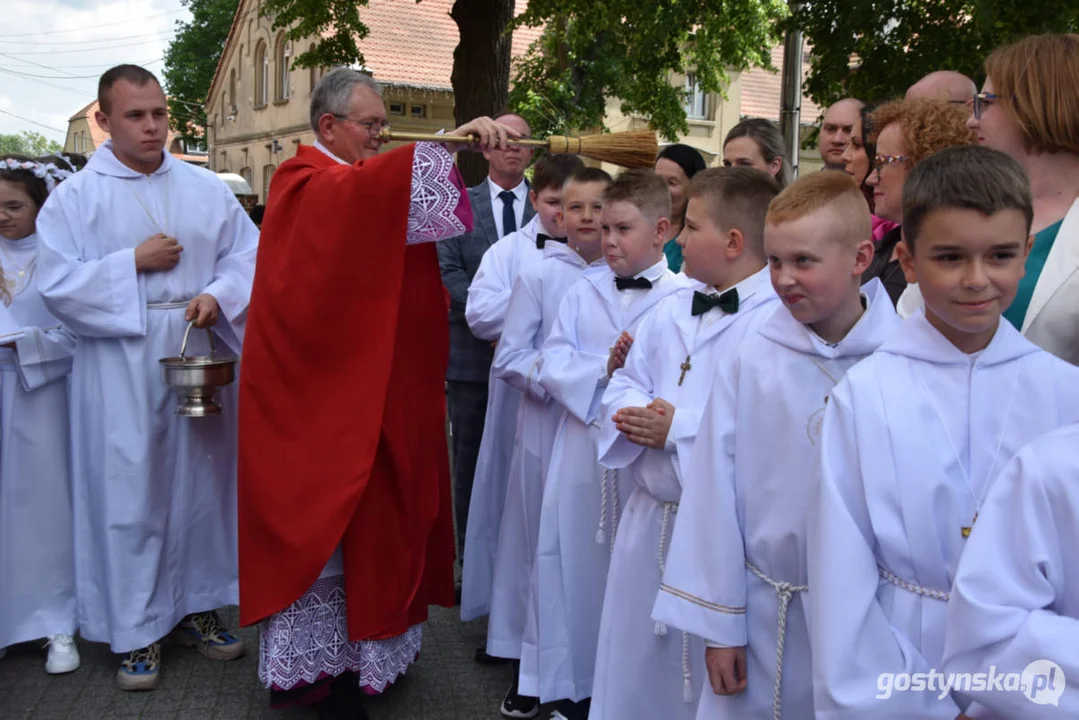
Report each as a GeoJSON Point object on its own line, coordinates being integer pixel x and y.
{"type": "Point", "coordinates": [491, 135]}
{"type": "Point", "coordinates": [159, 252]}
{"type": "Point", "coordinates": [617, 358]}
{"type": "Point", "coordinates": [647, 426]}
{"type": "Point", "coordinates": [203, 310]}
{"type": "Point", "coordinates": [726, 669]}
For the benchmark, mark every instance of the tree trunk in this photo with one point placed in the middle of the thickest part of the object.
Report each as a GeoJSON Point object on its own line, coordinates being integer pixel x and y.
{"type": "Point", "coordinates": [481, 69]}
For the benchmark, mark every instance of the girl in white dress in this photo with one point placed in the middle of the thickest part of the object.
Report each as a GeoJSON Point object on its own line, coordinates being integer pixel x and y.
{"type": "Point", "coordinates": [37, 571]}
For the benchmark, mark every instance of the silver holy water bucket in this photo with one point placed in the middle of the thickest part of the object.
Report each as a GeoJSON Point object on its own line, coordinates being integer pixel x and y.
{"type": "Point", "coordinates": [196, 379]}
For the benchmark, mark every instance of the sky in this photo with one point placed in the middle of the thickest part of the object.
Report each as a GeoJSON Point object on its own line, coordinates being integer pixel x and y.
{"type": "Point", "coordinates": [53, 51]}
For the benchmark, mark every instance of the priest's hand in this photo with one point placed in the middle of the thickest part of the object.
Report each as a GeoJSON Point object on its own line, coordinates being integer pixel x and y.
{"type": "Point", "coordinates": [617, 358]}
{"type": "Point", "coordinates": [203, 310]}
{"type": "Point", "coordinates": [490, 135]}
{"type": "Point", "coordinates": [726, 669]}
{"type": "Point", "coordinates": [157, 253]}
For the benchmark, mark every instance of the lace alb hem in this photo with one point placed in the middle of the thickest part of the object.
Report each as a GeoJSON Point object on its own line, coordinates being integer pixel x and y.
{"type": "Point", "coordinates": [309, 640]}
{"type": "Point", "coordinates": [432, 213]}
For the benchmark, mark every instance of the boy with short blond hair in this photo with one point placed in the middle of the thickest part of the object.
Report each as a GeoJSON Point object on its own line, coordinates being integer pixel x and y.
{"type": "Point", "coordinates": [533, 307]}
{"type": "Point", "coordinates": [915, 434]}
{"type": "Point", "coordinates": [737, 564]}
{"type": "Point", "coordinates": [588, 343]}
{"type": "Point", "coordinates": [651, 410]}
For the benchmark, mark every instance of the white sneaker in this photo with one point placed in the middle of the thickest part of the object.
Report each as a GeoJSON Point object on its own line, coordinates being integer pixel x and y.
{"type": "Point", "coordinates": [63, 655]}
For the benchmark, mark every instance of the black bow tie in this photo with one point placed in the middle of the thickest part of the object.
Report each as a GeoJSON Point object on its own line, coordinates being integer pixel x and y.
{"type": "Point", "coordinates": [542, 239]}
{"type": "Point", "coordinates": [727, 302]}
{"type": "Point", "coordinates": [641, 283]}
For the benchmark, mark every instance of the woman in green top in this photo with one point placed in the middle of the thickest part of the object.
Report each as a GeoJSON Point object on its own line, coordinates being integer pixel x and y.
{"type": "Point", "coordinates": [1029, 108]}
{"type": "Point", "coordinates": [677, 164]}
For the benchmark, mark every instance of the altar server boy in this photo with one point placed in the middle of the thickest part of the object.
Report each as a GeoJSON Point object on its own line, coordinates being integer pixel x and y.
{"type": "Point", "coordinates": [651, 410]}
{"type": "Point", "coordinates": [485, 312]}
{"type": "Point", "coordinates": [533, 308]}
{"type": "Point", "coordinates": [914, 435]}
{"type": "Point", "coordinates": [589, 342]}
{"type": "Point", "coordinates": [737, 569]}
{"type": "Point", "coordinates": [1015, 602]}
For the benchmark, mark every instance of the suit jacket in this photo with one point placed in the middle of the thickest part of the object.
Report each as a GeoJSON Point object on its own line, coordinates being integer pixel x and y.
{"type": "Point", "coordinates": [1052, 319]}
{"type": "Point", "coordinates": [459, 257]}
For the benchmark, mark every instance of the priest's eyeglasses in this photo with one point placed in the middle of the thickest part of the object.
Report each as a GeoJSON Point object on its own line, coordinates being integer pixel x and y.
{"type": "Point", "coordinates": [372, 126]}
{"type": "Point", "coordinates": [980, 102]}
{"type": "Point", "coordinates": [882, 161]}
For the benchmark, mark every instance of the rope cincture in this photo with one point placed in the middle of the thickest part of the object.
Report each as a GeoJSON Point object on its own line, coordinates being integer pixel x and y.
{"type": "Point", "coordinates": [660, 628]}
{"type": "Point", "coordinates": [784, 594]}
{"type": "Point", "coordinates": [608, 500]}
{"type": "Point", "coordinates": [911, 587]}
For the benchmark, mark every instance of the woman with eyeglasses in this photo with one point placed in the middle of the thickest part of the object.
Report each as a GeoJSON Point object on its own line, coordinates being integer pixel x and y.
{"type": "Point", "coordinates": [905, 133]}
{"type": "Point", "coordinates": [1029, 109]}
{"type": "Point", "coordinates": [858, 163]}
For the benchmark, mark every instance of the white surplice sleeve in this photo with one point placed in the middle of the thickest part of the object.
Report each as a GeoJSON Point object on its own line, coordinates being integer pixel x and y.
{"type": "Point", "coordinates": [41, 355]}
{"type": "Point", "coordinates": [573, 376]}
{"type": "Point", "coordinates": [518, 357]}
{"type": "Point", "coordinates": [439, 206]}
{"type": "Point", "coordinates": [93, 297]}
{"type": "Point", "coordinates": [851, 638]}
{"type": "Point", "coordinates": [234, 272]}
{"type": "Point", "coordinates": [630, 386]}
{"type": "Point", "coordinates": [489, 292]}
{"type": "Point", "coordinates": [704, 586]}
{"type": "Point", "coordinates": [1014, 598]}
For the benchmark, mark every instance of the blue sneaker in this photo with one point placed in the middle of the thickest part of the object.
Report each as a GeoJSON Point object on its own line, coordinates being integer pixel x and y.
{"type": "Point", "coordinates": [205, 633]}
{"type": "Point", "coordinates": [139, 671]}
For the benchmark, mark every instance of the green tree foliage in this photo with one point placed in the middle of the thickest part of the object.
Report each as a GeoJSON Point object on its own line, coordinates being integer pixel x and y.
{"type": "Point", "coordinates": [28, 143]}
{"type": "Point", "coordinates": [337, 22]}
{"type": "Point", "coordinates": [627, 49]}
{"type": "Point", "coordinates": [896, 42]}
{"type": "Point", "coordinates": [191, 59]}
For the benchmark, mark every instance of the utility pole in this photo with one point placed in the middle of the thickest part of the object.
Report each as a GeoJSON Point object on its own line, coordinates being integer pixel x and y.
{"type": "Point", "coordinates": [790, 112]}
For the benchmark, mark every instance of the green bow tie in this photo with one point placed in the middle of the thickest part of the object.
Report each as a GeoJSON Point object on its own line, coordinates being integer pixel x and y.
{"type": "Point", "coordinates": [727, 302]}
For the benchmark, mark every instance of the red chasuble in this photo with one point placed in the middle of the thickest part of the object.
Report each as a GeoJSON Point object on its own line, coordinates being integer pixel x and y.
{"type": "Point", "coordinates": [342, 401]}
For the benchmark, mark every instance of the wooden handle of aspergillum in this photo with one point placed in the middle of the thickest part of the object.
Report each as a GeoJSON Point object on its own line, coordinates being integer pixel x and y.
{"type": "Point", "coordinates": [394, 136]}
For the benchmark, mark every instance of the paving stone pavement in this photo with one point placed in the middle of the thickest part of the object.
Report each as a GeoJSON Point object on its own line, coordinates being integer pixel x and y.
{"type": "Point", "coordinates": [444, 684]}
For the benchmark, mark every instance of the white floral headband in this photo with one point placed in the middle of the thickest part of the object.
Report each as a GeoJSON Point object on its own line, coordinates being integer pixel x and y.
{"type": "Point", "coordinates": [46, 171]}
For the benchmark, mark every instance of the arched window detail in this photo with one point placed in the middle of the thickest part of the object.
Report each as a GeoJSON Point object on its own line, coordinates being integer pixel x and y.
{"type": "Point", "coordinates": [267, 175]}
{"type": "Point", "coordinates": [282, 59]}
{"type": "Point", "coordinates": [262, 75]}
{"type": "Point", "coordinates": [232, 91]}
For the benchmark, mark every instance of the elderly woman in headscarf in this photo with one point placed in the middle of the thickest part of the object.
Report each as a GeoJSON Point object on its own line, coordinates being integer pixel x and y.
{"type": "Point", "coordinates": [677, 164]}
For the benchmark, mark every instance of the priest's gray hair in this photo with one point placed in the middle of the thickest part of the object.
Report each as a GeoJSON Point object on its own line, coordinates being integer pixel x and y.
{"type": "Point", "coordinates": [333, 91]}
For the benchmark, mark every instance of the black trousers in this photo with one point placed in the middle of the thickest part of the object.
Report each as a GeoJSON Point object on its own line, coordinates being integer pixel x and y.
{"type": "Point", "coordinates": [466, 403]}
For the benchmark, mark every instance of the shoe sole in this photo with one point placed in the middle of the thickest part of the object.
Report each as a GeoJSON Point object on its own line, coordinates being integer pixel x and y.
{"type": "Point", "coordinates": [213, 652]}
{"type": "Point", "coordinates": [62, 670]}
{"type": "Point", "coordinates": [136, 683]}
{"type": "Point", "coordinates": [517, 714]}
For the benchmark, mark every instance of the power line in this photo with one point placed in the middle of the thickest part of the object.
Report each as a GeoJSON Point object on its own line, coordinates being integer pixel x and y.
{"type": "Point", "coordinates": [83, 42]}
{"type": "Point", "coordinates": [93, 49]}
{"type": "Point", "coordinates": [62, 68]}
{"type": "Point", "coordinates": [52, 85]}
{"type": "Point", "coordinates": [49, 77]}
{"type": "Point", "coordinates": [33, 122]}
{"type": "Point", "coordinates": [94, 27]}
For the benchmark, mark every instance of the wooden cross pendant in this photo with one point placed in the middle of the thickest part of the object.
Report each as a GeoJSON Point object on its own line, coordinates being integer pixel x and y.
{"type": "Point", "coordinates": [966, 530]}
{"type": "Point", "coordinates": [684, 367]}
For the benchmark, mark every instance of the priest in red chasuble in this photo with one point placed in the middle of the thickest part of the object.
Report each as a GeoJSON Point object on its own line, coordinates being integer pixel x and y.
{"type": "Point", "coordinates": [345, 514]}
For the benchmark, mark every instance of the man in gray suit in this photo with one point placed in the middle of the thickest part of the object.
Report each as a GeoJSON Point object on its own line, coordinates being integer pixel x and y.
{"type": "Point", "coordinates": [499, 206]}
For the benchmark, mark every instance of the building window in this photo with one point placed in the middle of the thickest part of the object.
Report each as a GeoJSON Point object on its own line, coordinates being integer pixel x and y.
{"type": "Point", "coordinates": [249, 177]}
{"type": "Point", "coordinates": [232, 90]}
{"type": "Point", "coordinates": [315, 74]}
{"type": "Point", "coordinates": [267, 174]}
{"type": "Point", "coordinates": [282, 56]}
{"type": "Point", "coordinates": [418, 111]}
{"type": "Point", "coordinates": [397, 108]}
{"type": "Point", "coordinates": [262, 74]}
{"type": "Point", "coordinates": [85, 147]}
{"type": "Point", "coordinates": [75, 143]}
{"type": "Point", "coordinates": [697, 104]}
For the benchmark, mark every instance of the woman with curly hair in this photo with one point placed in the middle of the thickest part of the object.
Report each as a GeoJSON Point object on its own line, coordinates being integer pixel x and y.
{"type": "Point", "coordinates": [905, 132]}
{"type": "Point", "coordinates": [37, 564]}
